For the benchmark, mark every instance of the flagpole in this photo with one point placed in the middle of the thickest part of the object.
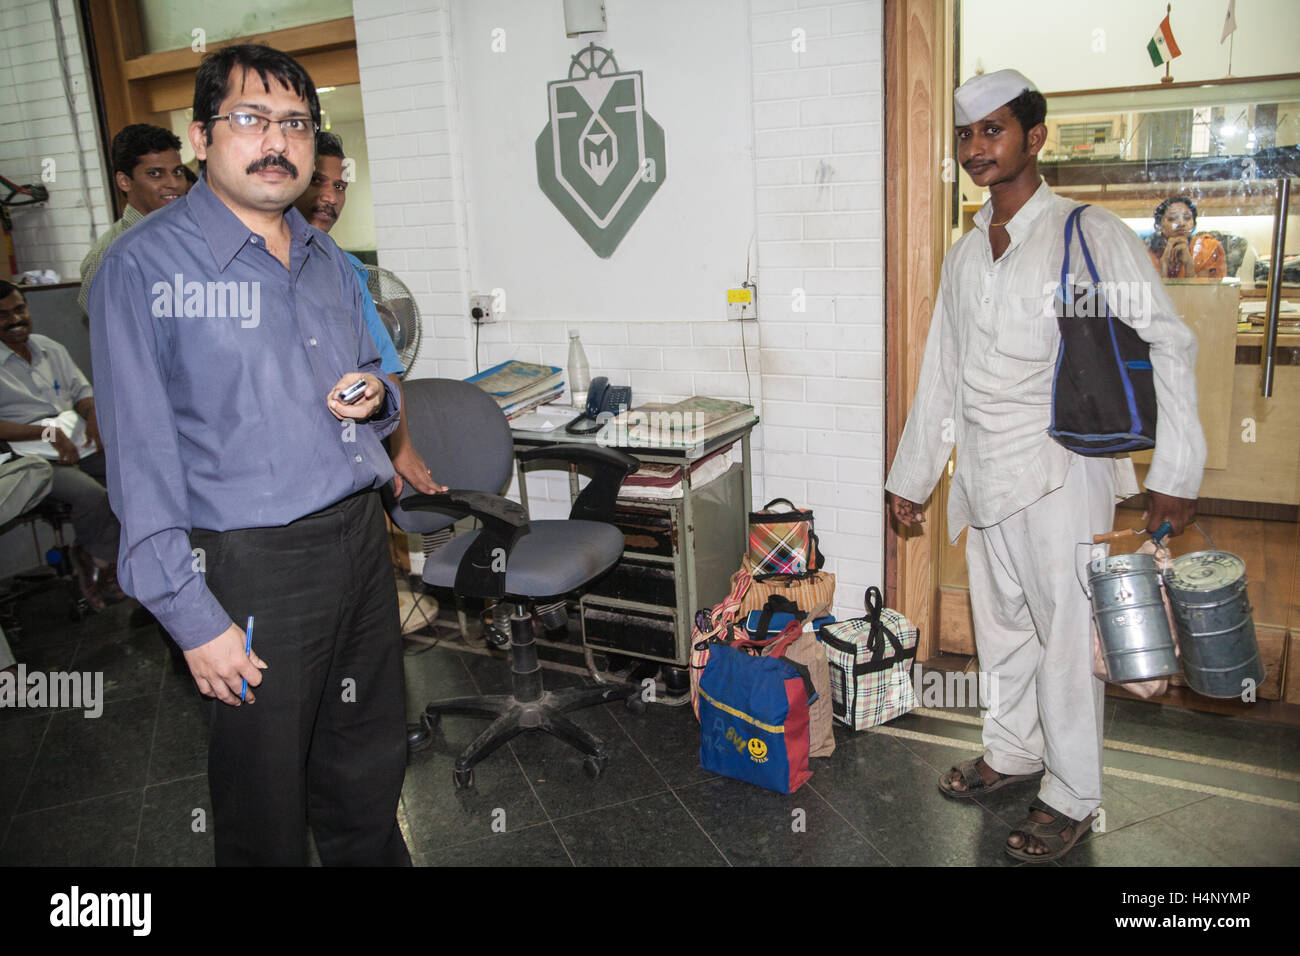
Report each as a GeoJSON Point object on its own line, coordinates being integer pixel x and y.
{"type": "Point", "coordinates": [1169, 9]}
{"type": "Point", "coordinates": [1232, 37]}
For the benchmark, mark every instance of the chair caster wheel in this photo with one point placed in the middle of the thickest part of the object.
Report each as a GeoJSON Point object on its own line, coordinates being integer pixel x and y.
{"type": "Point", "coordinates": [677, 680]}
{"type": "Point", "coordinates": [464, 779]}
{"type": "Point", "coordinates": [595, 766]}
{"type": "Point", "coordinates": [418, 737]}
{"type": "Point", "coordinates": [635, 704]}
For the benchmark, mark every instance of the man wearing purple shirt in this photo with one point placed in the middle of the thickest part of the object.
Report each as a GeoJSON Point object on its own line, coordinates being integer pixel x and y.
{"type": "Point", "coordinates": [223, 329]}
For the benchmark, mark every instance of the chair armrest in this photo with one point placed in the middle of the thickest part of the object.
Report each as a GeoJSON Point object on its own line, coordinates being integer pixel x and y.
{"type": "Point", "coordinates": [492, 510]}
{"type": "Point", "coordinates": [583, 454]}
{"type": "Point", "coordinates": [482, 569]}
{"type": "Point", "coordinates": [596, 502]}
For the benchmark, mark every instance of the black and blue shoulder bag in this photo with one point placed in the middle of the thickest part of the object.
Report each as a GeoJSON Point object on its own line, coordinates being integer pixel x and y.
{"type": "Point", "coordinates": [1103, 393]}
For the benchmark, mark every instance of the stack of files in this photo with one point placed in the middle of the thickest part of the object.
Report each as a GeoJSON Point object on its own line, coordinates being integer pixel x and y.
{"type": "Point", "coordinates": [654, 480]}
{"type": "Point", "coordinates": [688, 422]}
{"type": "Point", "coordinates": [519, 387]}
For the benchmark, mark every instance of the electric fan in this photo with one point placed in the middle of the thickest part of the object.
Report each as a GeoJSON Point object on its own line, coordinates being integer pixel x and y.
{"type": "Point", "coordinates": [398, 311]}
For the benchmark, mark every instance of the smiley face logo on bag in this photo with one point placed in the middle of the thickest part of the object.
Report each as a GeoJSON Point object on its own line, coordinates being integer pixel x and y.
{"type": "Point", "coordinates": [757, 750]}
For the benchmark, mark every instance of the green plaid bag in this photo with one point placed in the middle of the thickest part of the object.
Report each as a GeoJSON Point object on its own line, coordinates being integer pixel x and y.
{"type": "Point", "coordinates": [870, 661]}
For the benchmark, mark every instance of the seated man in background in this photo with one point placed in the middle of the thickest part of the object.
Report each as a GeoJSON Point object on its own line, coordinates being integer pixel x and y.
{"type": "Point", "coordinates": [147, 169]}
{"type": "Point", "coordinates": [24, 482]}
{"type": "Point", "coordinates": [38, 382]}
{"type": "Point", "coordinates": [321, 205]}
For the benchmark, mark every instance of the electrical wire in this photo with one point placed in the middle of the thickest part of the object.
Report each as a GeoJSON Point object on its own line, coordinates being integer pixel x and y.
{"type": "Point", "coordinates": [61, 51]}
{"type": "Point", "coordinates": [744, 352]}
{"type": "Point", "coordinates": [744, 345]}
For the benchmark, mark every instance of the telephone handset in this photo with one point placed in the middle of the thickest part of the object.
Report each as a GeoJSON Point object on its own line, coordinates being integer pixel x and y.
{"type": "Point", "coordinates": [603, 401]}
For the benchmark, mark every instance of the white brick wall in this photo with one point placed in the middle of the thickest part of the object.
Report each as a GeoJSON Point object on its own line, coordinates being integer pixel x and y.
{"type": "Point", "coordinates": [815, 375]}
{"type": "Point", "coordinates": [36, 125]}
{"type": "Point", "coordinates": [408, 94]}
{"type": "Point", "coordinates": [817, 119]}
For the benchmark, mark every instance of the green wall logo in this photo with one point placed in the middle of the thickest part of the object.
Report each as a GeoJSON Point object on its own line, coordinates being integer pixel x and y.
{"type": "Point", "coordinates": [601, 157]}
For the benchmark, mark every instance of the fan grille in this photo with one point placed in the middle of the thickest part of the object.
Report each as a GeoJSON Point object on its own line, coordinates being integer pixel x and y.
{"type": "Point", "coordinates": [398, 311]}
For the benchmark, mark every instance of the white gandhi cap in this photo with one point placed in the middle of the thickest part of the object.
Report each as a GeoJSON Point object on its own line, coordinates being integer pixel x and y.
{"type": "Point", "coordinates": [981, 95]}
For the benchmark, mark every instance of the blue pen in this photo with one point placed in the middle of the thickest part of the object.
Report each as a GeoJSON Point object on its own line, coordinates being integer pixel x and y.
{"type": "Point", "coordinates": [248, 649]}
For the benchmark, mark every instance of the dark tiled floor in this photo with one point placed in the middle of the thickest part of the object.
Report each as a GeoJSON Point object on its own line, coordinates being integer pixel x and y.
{"type": "Point", "coordinates": [130, 787]}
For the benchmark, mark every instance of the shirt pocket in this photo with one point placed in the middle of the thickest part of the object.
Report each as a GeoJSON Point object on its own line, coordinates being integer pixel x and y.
{"type": "Point", "coordinates": [1027, 330]}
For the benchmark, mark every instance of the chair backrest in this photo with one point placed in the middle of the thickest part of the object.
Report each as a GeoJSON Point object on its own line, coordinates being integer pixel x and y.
{"type": "Point", "coordinates": [464, 438]}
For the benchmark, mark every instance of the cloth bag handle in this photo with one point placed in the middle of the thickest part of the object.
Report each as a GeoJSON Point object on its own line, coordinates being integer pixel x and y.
{"type": "Point", "coordinates": [876, 640]}
{"type": "Point", "coordinates": [776, 605]}
{"type": "Point", "coordinates": [779, 644]}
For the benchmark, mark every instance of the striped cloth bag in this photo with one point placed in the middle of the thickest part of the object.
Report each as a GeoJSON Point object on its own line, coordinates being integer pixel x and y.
{"type": "Point", "coordinates": [813, 593]}
{"type": "Point", "coordinates": [870, 661]}
{"type": "Point", "coordinates": [715, 624]}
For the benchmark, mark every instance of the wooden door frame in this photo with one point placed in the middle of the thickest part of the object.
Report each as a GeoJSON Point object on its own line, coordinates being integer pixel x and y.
{"type": "Point", "coordinates": [919, 51]}
{"type": "Point", "coordinates": [133, 86]}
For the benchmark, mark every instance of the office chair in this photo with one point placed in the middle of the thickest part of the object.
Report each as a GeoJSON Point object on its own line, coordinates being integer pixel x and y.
{"type": "Point", "coordinates": [55, 514]}
{"type": "Point", "coordinates": [461, 432]}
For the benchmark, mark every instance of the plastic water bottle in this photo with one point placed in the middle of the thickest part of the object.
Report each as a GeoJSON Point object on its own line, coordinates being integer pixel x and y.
{"type": "Point", "coordinates": [579, 372]}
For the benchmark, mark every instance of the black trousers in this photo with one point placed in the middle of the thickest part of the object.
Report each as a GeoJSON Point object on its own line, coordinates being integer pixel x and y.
{"type": "Point", "coordinates": [325, 743]}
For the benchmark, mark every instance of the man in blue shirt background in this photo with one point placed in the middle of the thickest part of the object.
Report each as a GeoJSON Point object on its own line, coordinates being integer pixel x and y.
{"type": "Point", "coordinates": [321, 205]}
{"type": "Point", "coordinates": [223, 330]}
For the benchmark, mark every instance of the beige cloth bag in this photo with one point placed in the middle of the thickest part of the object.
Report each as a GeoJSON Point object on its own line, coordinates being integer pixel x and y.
{"type": "Point", "coordinates": [814, 594]}
{"type": "Point", "coordinates": [811, 653]}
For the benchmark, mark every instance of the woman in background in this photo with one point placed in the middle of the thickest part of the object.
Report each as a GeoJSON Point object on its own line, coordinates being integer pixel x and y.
{"type": "Point", "coordinates": [1175, 252]}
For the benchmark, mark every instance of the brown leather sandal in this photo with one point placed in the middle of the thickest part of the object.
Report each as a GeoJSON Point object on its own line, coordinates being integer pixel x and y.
{"type": "Point", "coordinates": [1059, 835]}
{"type": "Point", "coordinates": [974, 780]}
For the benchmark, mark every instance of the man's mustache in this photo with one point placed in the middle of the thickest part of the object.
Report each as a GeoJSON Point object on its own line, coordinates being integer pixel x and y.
{"type": "Point", "coordinates": [327, 211]}
{"type": "Point", "coordinates": [266, 162]}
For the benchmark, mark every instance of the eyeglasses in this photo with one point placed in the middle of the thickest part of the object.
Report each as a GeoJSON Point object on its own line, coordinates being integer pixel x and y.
{"type": "Point", "coordinates": [15, 311]}
{"type": "Point", "coordinates": [251, 124]}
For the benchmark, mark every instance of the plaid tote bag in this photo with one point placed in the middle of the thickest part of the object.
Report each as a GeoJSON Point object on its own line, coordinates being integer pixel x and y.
{"type": "Point", "coordinates": [870, 662]}
{"type": "Point", "coordinates": [782, 542]}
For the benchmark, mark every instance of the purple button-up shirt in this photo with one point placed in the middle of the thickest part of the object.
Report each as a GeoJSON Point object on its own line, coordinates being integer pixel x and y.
{"type": "Point", "coordinates": [212, 365]}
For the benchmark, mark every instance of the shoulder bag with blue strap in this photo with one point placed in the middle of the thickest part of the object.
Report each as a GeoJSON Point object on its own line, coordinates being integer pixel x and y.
{"type": "Point", "coordinates": [1103, 394]}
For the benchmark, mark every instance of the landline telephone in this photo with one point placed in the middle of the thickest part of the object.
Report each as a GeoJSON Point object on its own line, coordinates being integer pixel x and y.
{"type": "Point", "coordinates": [603, 402]}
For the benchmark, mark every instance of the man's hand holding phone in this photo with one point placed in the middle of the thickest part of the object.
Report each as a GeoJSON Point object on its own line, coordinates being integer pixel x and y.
{"type": "Point", "coordinates": [356, 396]}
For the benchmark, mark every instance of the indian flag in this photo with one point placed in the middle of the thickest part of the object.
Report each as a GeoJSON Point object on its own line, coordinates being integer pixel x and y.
{"type": "Point", "coordinates": [1162, 47]}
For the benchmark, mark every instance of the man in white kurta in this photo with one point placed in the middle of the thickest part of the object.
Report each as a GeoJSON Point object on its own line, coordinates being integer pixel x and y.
{"type": "Point", "coordinates": [986, 387]}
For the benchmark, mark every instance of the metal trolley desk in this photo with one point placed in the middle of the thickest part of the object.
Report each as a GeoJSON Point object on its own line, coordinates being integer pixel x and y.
{"type": "Point", "coordinates": [680, 552]}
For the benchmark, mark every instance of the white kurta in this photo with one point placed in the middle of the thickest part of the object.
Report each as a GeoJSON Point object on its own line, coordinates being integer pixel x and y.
{"type": "Point", "coordinates": [986, 387]}
{"type": "Point", "coordinates": [986, 379]}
